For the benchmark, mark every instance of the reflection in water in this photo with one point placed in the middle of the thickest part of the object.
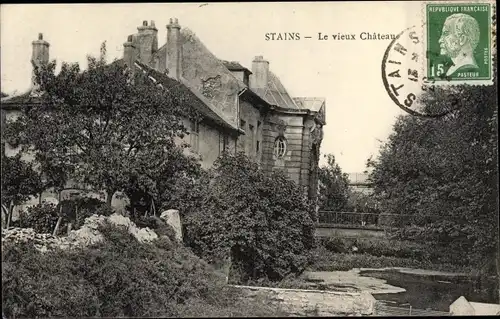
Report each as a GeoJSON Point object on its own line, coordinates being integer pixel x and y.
{"type": "Point", "coordinates": [434, 292]}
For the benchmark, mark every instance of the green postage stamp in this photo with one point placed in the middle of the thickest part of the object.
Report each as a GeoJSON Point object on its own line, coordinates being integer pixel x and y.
{"type": "Point", "coordinates": [458, 39]}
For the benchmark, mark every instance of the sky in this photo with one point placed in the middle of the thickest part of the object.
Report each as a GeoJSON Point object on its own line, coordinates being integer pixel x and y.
{"type": "Point", "coordinates": [359, 112]}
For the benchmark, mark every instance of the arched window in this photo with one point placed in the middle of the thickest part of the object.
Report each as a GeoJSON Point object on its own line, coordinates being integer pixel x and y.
{"type": "Point", "coordinates": [280, 147]}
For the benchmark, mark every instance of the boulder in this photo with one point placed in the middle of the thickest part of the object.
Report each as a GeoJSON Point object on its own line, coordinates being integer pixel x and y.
{"type": "Point", "coordinates": [88, 234]}
{"type": "Point", "coordinates": [172, 218]}
{"type": "Point", "coordinates": [461, 307]}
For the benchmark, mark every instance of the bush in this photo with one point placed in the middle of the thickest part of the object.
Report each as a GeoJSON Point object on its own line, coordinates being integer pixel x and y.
{"type": "Point", "coordinates": [119, 277]}
{"type": "Point", "coordinates": [42, 218]}
{"type": "Point", "coordinates": [86, 207]}
{"type": "Point", "coordinates": [393, 248]}
{"type": "Point", "coordinates": [263, 222]}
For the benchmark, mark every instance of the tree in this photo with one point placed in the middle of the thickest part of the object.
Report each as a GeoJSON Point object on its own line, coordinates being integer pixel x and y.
{"type": "Point", "coordinates": [262, 222]}
{"type": "Point", "coordinates": [108, 127]}
{"type": "Point", "coordinates": [19, 182]}
{"type": "Point", "coordinates": [444, 171]}
{"type": "Point", "coordinates": [334, 186]}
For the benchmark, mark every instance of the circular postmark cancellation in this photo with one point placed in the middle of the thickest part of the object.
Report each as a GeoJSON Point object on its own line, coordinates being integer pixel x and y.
{"type": "Point", "coordinates": [402, 74]}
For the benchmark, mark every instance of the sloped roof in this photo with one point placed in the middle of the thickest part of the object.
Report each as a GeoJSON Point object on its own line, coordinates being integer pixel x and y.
{"type": "Point", "coordinates": [310, 103]}
{"type": "Point", "coordinates": [276, 94]}
{"type": "Point", "coordinates": [197, 101]}
{"type": "Point", "coordinates": [207, 75]}
{"type": "Point", "coordinates": [14, 101]}
{"type": "Point", "coordinates": [234, 66]}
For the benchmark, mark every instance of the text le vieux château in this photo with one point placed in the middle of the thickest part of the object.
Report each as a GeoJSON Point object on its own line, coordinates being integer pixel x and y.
{"type": "Point", "coordinates": [295, 36]}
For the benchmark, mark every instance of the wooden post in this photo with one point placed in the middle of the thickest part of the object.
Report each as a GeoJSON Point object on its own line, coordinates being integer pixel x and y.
{"type": "Point", "coordinates": [59, 220]}
{"type": "Point", "coordinates": [9, 217]}
{"type": "Point", "coordinates": [153, 207]}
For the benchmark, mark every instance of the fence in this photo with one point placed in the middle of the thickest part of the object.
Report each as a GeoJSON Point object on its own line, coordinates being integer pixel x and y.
{"type": "Point", "coordinates": [372, 219]}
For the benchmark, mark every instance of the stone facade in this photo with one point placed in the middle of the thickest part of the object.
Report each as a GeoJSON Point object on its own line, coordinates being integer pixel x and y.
{"type": "Point", "coordinates": [243, 110]}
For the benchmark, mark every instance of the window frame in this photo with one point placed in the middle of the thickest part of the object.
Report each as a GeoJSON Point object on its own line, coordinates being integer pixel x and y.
{"type": "Point", "coordinates": [280, 147]}
{"type": "Point", "coordinates": [195, 136]}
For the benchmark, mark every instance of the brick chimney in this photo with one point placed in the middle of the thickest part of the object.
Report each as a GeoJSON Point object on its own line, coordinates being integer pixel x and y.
{"type": "Point", "coordinates": [39, 56]}
{"type": "Point", "coordinates": [147, 42]}
{"type": "Point", "coordinates": [130, 51]}
{"type": "Point", "coordinates": [174, 49]}
{"type": "Point", "coordinates": [260, 73]}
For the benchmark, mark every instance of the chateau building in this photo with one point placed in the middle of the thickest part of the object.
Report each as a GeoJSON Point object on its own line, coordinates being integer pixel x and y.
{"type": "Point", "coordinates": [243, 109]}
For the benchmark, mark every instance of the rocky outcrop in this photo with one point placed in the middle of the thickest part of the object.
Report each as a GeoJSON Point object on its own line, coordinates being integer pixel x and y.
{"type": "Point", "coordinates": [88, 234]}
{"type": "Point", "coordinates": [463, 307]}
{"type": "Point", "coordinates": [171, 217]}
{"type": "Point", "coordinates": [301, 302]}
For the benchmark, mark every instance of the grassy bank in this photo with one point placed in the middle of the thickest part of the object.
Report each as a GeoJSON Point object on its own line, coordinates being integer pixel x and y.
{"type": "Point", "coordinates": [116, 278]}
{"type": "Point", "coordinates": [344, 254]}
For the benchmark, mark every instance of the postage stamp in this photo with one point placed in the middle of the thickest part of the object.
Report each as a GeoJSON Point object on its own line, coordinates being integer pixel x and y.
{"type": "Point", "coordinates": [458, 42]}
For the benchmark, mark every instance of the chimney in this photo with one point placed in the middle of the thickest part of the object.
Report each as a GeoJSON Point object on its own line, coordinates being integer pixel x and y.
{"type": "Point", "coordinates": [174, 49]}
{"type": "Point", "coordinates": [40, 56]}
{"type": "Point", "coordinates": [130, 52]}
{"type": "Point", "coordinates": [147, 42]}
{"type": "Point", "coordinates": [260, 73]}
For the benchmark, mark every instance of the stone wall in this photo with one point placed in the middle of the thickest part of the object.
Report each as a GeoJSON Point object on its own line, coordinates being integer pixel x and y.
{"type": "Point", "coordinates": [292, 130]}
{"type": "Point", "coordinates": [253, 131]}
{"type": "Point", "coordinates": [300, 302]}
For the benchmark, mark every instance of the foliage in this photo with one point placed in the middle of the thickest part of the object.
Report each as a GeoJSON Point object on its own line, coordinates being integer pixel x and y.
{"type": "Point", "coordinates": [106, 127]}
{"type": "Point", "coordinates": [263, 222]}
{"type": "Point", "coordinates": [391, 248]}
{"type": "Point", "coordinates": [19, 179]}
{"type": "Point", "coordinates": [334, 186]}
{"type": "Point", "coordinates": [446, 168]}
{"type": "Point", "coordinates": [120, 277]}
{"type": "Point", "coordinates": [362, 203]}
{"type": "Point", "coordinates": [42, 218]}
{"type": "Point", "coordinates": [325, 260]}
{"type": "Point", "coordinates": [84, 207]}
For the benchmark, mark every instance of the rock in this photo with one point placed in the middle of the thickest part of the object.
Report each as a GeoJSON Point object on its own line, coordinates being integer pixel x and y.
{"type": "Point", "coordinates": [461, 307]}
{"type": "Point", "coordinates": [50, 200]}
{"type": "Point", "coordinates": [88, 234]}
{"type": "Point", "coordinates": [172, 218]}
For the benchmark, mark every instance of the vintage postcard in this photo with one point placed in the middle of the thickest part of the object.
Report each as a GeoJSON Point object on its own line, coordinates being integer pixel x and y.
{"type": "Point", "coordinates": [249, 159]}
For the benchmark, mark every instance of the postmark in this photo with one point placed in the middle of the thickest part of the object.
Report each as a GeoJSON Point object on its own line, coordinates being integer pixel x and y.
{"type": "Point", "coordinates": [403, 76]}
{"type": "Point", "coordinates": [458, 43]}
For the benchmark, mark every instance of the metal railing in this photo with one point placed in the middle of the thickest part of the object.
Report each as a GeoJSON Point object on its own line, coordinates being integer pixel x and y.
{"type": "Point", "coordinates": [372, 219]}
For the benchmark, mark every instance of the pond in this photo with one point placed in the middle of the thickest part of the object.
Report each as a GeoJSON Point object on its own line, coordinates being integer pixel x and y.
{"type": "Point", "coordinates": [433, 291]}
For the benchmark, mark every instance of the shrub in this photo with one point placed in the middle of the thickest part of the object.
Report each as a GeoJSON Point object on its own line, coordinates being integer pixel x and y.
{"type": "Point", "coordinates": [119, 277]}
{"type": "Point", "coordinates": [324, 260]}
{"type": "Point", "coordinates": [263, 222]}
{"type": "Point", "coordinates": [86, 207]}
{"type": "Point", "coordinates": [42, 218]}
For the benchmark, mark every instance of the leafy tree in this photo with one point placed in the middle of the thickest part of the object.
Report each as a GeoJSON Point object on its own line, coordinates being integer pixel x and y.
{"type": "Point", "coordinates": [107, 127]}
{"type": "Point", "coordinates": [264, 223]}
{"type": "Point", "coordinates": [444, 170]}
{"type": "Point", "coordinates": [361, 202]}
{"type": "Point", "coordinates": [334, 186]}
{"type": "Point", "coordinates": [19, 181]}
